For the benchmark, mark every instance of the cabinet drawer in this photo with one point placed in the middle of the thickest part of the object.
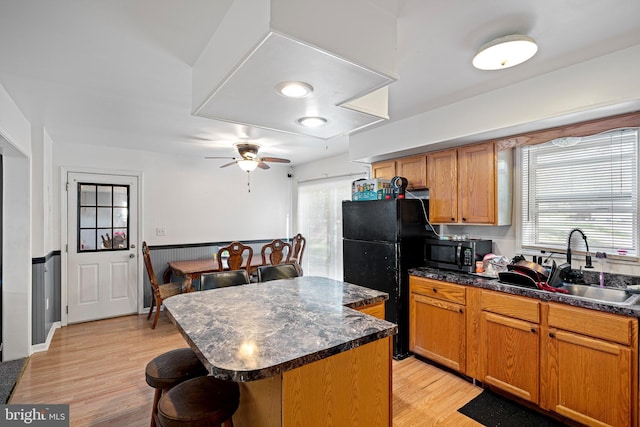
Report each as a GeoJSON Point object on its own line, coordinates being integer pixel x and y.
{"type": "Point", "coordinates": [437, 289]}
{"type": "Point", "coordinates": [376, 310]}
{"type": "Point", "coordinates": [511, 305]}
{"type": "Point", "coordinates": [593, 323]}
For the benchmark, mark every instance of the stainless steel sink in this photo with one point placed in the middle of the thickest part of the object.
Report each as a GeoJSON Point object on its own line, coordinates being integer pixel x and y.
{"type": "Point", "coordinates": [595, 292]}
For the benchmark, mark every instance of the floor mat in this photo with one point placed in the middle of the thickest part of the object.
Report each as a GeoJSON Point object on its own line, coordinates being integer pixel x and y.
{"type": "Point", "coordinates": [492, 410]}
{"type": "Point", "coordinates": [9, 374]}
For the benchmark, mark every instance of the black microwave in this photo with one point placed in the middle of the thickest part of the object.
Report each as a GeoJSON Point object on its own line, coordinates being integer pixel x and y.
{"type": "Point", "coordinates": [458, 255]}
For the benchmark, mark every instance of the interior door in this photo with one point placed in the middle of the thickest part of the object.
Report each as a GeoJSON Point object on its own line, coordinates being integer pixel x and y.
{"type": "Point", "coordinates": [102, 241]}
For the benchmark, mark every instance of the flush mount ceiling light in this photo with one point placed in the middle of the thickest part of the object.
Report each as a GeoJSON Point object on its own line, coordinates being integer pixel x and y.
{"type": "Point", "coordinates": [312, 122]}
{"type": "Point", "coordinates": [505, 52]}
{"type": "Point", "coordinates": [294, 89]}
{"type": "Point", "coordinates": [248, 165]}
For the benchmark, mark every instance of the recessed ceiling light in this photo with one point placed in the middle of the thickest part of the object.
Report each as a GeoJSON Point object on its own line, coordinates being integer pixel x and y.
{"type": "Point", "coordinates": [505, 52]}
{"type": "Point", "coordinates": [312, 122]}
{"type": "Point", "coordinates": [294, 89]}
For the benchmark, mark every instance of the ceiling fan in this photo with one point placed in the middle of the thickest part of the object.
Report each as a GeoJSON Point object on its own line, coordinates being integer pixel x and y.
{"type": "Point", "coordinates": [249, 159]}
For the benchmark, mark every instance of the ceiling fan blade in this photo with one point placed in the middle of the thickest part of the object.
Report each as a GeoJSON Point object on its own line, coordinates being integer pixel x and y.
{"type": "Point", "coordinates": [263, 165]}
{"type": "Point", "coordinates": [229, 164]}
{"type": "Point", "coordinates": [275, 160]}
{"type": "Point", "coordinates": [227, 157]}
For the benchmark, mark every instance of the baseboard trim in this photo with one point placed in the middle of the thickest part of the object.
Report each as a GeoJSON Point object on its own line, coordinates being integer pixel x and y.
{"type": "Point", "coordinates": [45, 346]}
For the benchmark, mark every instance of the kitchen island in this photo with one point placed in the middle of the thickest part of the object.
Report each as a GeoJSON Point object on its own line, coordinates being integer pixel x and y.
{"type": "Point", "coordinates": [300, 349]}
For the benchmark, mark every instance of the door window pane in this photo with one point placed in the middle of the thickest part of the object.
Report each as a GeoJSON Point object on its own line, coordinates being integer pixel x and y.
{"type": "Point", "coordinates": [105, 196]}
{"type": "Point", "coordinates": [103, 215]}
{"type": "Point", "coordinates": [87, 217]}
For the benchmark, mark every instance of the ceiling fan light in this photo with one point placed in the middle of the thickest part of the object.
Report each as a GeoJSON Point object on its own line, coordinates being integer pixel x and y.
{"type": "Point", "coordinates": [505, 52]}
{"type": "Point", "coordinates": [294, 89]}
{"type": "Point", "coordinates": [248, 165]}
{"type": "Point", "coordinates": [312, 122]}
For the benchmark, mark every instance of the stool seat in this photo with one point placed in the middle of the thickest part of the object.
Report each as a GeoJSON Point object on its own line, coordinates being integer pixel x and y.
{"type": "Point", "coordinates": [199, 402]}
{"type": "Point", "coordinates": [170, 369]}
{"type": "Point", "coordinates": [173, 367]}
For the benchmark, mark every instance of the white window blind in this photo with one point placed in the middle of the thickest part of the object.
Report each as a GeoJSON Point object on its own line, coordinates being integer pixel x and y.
{"type": "Point", "coordinates": [591, 185]}
{"type": "Point", "coordinates": [320, 221]}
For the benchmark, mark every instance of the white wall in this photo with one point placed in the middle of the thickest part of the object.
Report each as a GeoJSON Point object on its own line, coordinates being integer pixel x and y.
{"type": "Point", "coordinates": [41, 196]}
{"type": "Point", "coordinates": [596, 88]}
{"type": "Point", "coordinates": [191, 198]}
{"type": "Point", "coordinates": [15, 147]}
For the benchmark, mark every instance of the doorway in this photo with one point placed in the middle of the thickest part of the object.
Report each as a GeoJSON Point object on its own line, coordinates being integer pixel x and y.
{"type": "Point", "coordinates": [102, 241]}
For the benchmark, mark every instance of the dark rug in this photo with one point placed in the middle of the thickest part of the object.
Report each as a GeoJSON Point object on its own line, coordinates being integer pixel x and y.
{"type": "Point", "coordinates": [9, 373]}
{"type": "Point", "coordinates": [493, 410]}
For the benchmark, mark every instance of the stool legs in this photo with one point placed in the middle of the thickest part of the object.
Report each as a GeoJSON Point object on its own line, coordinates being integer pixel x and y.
{"type": "Point", "coordinates": [154, 409]}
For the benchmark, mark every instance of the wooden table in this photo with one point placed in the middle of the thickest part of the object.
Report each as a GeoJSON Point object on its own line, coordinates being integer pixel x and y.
{"type": "Point", "coordinates": [193, 269]}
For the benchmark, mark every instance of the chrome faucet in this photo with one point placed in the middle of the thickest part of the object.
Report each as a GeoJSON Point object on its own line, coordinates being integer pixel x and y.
{"type": "Point", "coordinates": [587, 257]}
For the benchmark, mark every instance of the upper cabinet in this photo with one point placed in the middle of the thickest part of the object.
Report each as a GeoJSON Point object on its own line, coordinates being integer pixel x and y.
{"type": "Point", "coordinates": [384, 170]}
{"type": "Point", "coordinates": [470, 185]}
{"type": "Point", "coordinates": [413, 168]}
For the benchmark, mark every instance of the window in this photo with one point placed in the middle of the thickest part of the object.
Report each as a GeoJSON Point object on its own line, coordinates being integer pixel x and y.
{"type": "Point", "coordinates": [320, 221]}
{"type": "Point", "coordinates": [103, 217]}
{"type": "Point", "coordinates": [589, 183]}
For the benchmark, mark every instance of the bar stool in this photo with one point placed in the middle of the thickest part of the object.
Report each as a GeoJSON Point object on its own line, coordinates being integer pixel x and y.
{"type": "Point", "coordinates": [170, 369]}
{"type": "Point", "coordinates": [199, 402]}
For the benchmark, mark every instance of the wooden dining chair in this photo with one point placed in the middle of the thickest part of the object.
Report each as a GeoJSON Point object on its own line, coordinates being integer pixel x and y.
{"type": "Point", "coordinates": [158, 292]}
{"type": "Point", "coordinates": [222, 279]}
{"type": "Point", "coordinates": [275, 272]}
{"type": "Point", "coordinates": [298, 244]}
{"type": "Point", "coordinates": [237, 254]}
{"type": "Point", "coordinates": [276, 252]}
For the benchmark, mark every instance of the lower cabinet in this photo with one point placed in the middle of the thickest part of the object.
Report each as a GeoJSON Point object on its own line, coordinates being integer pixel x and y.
{"type": "Point", "coordinates": [579, 363]}
{"type": "Point", "coordinates": [437, 322]}
{"type": "Point", "coordinates": [510, 344]}
{"type": "Point", "coordinates": [592, 363]}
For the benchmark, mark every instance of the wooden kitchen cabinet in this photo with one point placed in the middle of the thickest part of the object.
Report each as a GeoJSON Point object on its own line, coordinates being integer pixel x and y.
{"type": "Point", "coordinates": [437, 321]}
{"type": "Point", "coordinates": [383, 170]}
{"type": "Point", "coordinates": [413, 168]}
{"type": "Point", "coordinates": [442, 180]}
{"type": "Point", "coordinates": [591, 366]}
{"type": "Point", "coordinates": [510, 344]}
{"type": "Point", "coordinates": [470, 185]}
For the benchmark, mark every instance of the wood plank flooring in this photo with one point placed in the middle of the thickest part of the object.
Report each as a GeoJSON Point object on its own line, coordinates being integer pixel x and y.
{"type": "Point", "coordinates": [98, 369]}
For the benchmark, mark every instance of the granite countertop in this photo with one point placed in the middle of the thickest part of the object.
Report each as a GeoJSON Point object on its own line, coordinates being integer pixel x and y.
{"type": "Point", "coordinates": [496, 285]}
{"type": "Point", "coordinates": [250, 332]}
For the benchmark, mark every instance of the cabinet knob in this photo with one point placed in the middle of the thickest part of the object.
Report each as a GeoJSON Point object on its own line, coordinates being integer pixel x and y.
{"type": "Point", "coordinates": [533, 330]}
{"type": "Point", "coordinates": [452, 219]}
{"type": "Point", "coordinates": [435, 290]}
{"type": "Point", "coordinates": [460, 311]}
{"type": "Point", "coordinates": [552, 335]}
{"type": "Point", "coordinates": [464, 219]}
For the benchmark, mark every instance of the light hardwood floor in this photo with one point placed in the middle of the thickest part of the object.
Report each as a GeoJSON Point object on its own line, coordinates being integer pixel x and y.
{"type": "Point", "coordinates": [98, 369]}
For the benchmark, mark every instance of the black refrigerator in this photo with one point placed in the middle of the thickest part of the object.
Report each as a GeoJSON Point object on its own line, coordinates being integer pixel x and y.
{"type": "Point", "coordinates": [382, 239]}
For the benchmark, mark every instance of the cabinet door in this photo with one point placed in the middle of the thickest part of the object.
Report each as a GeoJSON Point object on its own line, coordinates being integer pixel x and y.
{"type": "Point", "coordinates": [476, 174]}
{"type": "Point", "coordinates": [442, 180]}
{"type": "Point", "coordinates": [589, 379]}
{"type": "Point", "coordinates": [511, 355]}
{"type": "Point", "coordinates": [437, 331]}
{"type": "Point", "coordinates": [414, 169]}
{"type": "Point", "coordinates": [384, 170]}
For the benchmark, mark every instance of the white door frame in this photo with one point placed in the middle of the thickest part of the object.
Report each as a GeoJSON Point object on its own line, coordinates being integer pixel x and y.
{"type": "Point", "coordinates": [64, 172]}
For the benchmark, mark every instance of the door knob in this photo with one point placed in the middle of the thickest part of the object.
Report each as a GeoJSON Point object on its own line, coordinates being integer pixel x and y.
{"type": "Point", "coordinates": [132, 255]}
{"type": "Point", "coordinates": [133, 246]}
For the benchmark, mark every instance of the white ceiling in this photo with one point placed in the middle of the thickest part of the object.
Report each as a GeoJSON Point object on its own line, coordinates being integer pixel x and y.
{"type": "Point", "coordinates": [118, 72]}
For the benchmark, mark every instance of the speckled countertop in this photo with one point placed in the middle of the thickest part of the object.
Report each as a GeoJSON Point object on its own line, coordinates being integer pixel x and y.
{"type": "Point", "coordinates": [496, 285]}
{"type": "Point", "coordinates": [250, 332]}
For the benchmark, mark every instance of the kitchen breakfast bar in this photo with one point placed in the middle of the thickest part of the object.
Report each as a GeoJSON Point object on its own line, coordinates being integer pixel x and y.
{"type": "Point", "coordinates": [301, 349]}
